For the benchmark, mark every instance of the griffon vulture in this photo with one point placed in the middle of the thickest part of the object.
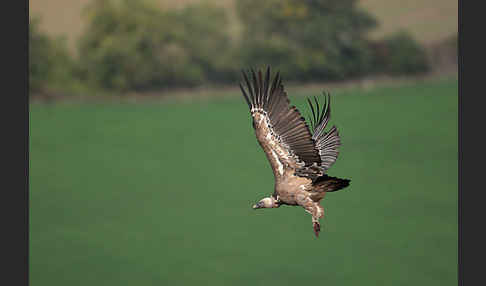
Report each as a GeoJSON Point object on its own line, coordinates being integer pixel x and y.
{"type": "Point", "coordinates": [299, 158]}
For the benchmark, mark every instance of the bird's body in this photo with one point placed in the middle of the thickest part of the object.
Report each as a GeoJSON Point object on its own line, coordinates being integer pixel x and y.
{"type": "Point", "coordinates": [298, 158]}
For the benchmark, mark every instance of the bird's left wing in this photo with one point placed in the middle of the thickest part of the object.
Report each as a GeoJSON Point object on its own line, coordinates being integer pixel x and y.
{"type": "Point", "coordinates": [280, 129]}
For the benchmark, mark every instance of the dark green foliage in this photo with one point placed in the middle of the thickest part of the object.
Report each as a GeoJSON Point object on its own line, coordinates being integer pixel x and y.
{"type": "Point", "coordinates": [307, 40]}
{"type": "Point", "coordinates": [205, 36]}
{"type": "Point", "coordinates": [398, 54]}
{"type": "Point", "coordinates": [133, 45]}
{"type": "Point", "coordinates": [50, 65]}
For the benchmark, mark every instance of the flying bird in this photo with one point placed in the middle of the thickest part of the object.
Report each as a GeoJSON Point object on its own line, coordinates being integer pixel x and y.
{"type": "Point", "coordinates": [299, 158]}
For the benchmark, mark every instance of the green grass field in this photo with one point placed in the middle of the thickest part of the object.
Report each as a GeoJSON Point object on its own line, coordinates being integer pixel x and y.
{"type": "Point", "coordinates": [161, 194]}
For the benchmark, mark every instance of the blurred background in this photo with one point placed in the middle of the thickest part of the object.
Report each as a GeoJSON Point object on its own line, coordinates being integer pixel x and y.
{"type": "Point", "coordinates": [144, 164]}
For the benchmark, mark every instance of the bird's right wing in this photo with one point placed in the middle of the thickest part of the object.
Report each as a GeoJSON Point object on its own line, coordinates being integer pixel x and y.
{"type": "Point", "coordinates": [326, 142]}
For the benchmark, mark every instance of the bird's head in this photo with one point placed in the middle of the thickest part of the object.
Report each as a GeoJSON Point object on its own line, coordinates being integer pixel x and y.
{"type": "Point", "coordinates": [269, 202]}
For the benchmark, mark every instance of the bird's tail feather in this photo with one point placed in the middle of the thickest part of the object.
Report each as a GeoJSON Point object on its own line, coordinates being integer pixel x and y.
{"type": "Point", "coordinates": [330, 184]}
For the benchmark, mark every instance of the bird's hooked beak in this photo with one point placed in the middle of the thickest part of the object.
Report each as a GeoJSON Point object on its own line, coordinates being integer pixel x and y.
{"type": "Point", "coordinates": [267, 203]}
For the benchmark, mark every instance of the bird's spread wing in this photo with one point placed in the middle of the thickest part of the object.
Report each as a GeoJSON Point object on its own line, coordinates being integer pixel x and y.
{"type": "Point", "coordinates": [327, 143]}
{"type": "Point", "coordinates": [280, 129]}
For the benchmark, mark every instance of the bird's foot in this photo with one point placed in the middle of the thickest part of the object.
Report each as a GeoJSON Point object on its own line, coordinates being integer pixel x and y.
{"type": "Point", "coordinates": [317, 228]}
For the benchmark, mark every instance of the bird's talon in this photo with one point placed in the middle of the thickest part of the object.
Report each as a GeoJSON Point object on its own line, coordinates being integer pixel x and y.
{"type": "Point", "coordinates": [317, 228]}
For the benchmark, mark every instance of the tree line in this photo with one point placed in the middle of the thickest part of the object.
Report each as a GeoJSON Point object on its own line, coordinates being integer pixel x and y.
{"type": "Point", "coordinates": [136, 46]}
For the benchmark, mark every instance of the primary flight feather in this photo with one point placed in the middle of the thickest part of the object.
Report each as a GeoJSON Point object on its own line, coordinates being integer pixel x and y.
{"type": "Point", "coordinates": [299, 158]}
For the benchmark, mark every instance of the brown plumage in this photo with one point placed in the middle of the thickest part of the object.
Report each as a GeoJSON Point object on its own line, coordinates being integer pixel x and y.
{"type": "Point", "coordinates": [299, 158]}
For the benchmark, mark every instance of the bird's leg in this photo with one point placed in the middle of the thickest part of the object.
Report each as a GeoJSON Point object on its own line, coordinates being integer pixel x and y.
{"type": "Point", "coordinates": [319, 213]}
{"type": "Point", "coordinates": [317, 226]}
{"type": "Point", "coordinates": [313, 208]}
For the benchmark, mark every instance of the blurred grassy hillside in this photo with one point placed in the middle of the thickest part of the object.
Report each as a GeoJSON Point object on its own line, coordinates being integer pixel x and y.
{"type": "Point", "coordinates": [65, 18]}
{"type": "Point", "coordinates": [161, 194]}
{"type": "Point", "coordinates": [428, 21]}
